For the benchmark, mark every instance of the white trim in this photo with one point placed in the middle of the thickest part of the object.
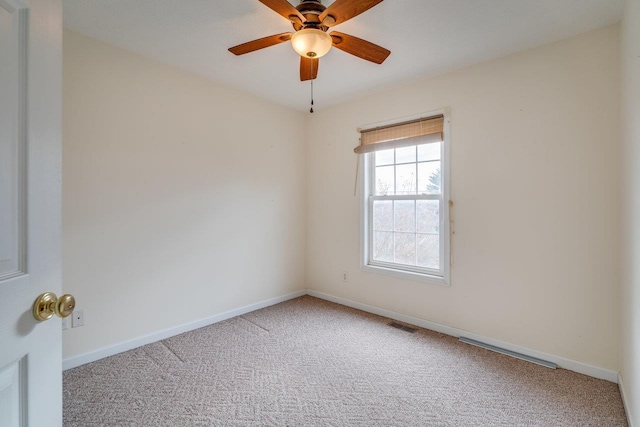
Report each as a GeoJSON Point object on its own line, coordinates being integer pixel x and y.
{"type": "Point", "coordinates": [564, 363]}
{"type": "Point", "coordinates": [571, 365]}
{"type": "Point", "coordinates": [446, 200]}
{"type": "Point", "coordinates": [442, 277]}
{"type": "Point", "coordinates": [92, 356]}
{"type": "Point", "coordinates": [405, 274]}
{"type": "Point", "coordinates": [625, 402]}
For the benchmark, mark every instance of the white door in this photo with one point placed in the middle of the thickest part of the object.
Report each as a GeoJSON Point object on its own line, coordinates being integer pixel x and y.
{"type": "Point", "coordinates": [30, 198]}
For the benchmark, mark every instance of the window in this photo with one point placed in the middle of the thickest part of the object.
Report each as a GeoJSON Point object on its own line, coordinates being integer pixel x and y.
{"type": "Point", "coordinates": [405, 204]}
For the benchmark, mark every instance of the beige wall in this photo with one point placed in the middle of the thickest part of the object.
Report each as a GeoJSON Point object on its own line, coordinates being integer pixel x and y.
{"type": "Point", "coordinates": [182, 198]}
{"type": "Point", "coordinates": [535, 182]}
{"type": "Point", "coordinates": [630, 297]}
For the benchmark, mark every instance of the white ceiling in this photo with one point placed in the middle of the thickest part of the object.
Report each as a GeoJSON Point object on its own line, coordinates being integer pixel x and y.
{"type": "Point", "coordinates": [426, 38]}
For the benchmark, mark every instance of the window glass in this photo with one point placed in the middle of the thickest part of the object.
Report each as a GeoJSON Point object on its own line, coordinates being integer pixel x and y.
{"type": "Point", "coordinates": [405, 204]}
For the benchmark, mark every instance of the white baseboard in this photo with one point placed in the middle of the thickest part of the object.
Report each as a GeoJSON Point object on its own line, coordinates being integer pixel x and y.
{"type": "Point", "coordinates": [92, 356]}
{"type": "Point", "coordinates": [571, 365]}
{"type": "Point", "coordinates": [625, 401]}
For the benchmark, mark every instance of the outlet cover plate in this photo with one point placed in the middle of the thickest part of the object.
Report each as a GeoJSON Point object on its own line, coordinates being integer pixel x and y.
{"type": "Point", "coordinates": [78, 319]}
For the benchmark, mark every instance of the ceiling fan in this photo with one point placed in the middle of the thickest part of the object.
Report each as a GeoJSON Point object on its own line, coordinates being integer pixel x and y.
{"type": "Point", "coordinates": [311, 20]}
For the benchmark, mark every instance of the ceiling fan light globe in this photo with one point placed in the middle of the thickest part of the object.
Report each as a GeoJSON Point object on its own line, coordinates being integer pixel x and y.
{"type": "Point", "coordinates": [311, 43]}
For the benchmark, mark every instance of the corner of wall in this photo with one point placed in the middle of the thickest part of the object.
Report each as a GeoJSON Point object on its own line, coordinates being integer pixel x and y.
{"type": "Point", "coordinates": [630, 212]}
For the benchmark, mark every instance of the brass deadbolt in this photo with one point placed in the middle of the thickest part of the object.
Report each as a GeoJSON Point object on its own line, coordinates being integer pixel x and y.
{"type": "Point", "coordinates": [47, 304]}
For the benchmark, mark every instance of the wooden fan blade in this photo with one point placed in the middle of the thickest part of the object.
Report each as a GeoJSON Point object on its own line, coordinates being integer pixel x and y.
{"type": "Point", "coordinates": [284, 8]}
{"type": "Point", "coordinates": [308, 68]}
{"type": "Point", "coordinates": [343, 10]}
{"type": "Point", "coordinates": [247, 47]}
{"type": "Point", "coordinates": [360, 48]}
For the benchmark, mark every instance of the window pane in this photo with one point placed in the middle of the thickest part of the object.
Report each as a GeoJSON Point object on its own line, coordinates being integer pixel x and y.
{"type": "Point", "coordinates": [384, 180]}
{"type": "Point", "coordinates": [404, 229]}
{"type": "Point", "coordinates": [406, 154]}
{"type": "Point", "coordinates": [429, 178]}
{"type": "Point", "coordinates": [383, 215]}
{"type": "Point", "coordinates": [405, 215]}
{"type": "Point", "coordinates": [406, 176]}
{"type": "Point", "coordinates": [429, 251]}
{"type": "Point", "coordinates": [383, 246]}
{"type": "Point", "coordinates": [405, 246]}
{"type": "Point", "coordinates": [428, 152]}
{"type": "Point", "coordinates": [428, 216]}
{"type": "Point", "coordinates": [384, 157]}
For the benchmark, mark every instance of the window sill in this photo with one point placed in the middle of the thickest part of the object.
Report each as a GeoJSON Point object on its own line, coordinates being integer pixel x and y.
{"type": "Point", "coordinates": [420, 277]}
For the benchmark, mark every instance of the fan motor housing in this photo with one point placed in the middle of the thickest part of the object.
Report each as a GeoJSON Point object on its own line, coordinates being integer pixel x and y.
{"type": "Point", "coordinates": [311, 10]}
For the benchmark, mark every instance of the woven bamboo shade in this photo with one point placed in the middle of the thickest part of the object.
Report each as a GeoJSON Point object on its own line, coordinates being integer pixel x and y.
{"type": "Point", "coordinates": [421, 131]}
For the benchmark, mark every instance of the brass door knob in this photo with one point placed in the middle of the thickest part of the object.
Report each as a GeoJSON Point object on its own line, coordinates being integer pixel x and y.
{"type": "Point", "coordinates": [47, 304]}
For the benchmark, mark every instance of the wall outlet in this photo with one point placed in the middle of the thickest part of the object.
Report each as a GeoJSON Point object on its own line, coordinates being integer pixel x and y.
{"type": "Point", "coordinates": [78, 319]}
{"type": "Point", "coordinates": [65, 323]}
{"type": "Point", "coordinates": [345, 276]}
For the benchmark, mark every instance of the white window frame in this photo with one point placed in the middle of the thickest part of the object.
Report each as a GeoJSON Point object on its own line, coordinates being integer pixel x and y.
{"type": "Point", "coordinates": [441, 277]}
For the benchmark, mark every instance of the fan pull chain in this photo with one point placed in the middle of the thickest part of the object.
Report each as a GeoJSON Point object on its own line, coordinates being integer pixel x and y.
{"type": "Point", "coordinates": [311, 110]}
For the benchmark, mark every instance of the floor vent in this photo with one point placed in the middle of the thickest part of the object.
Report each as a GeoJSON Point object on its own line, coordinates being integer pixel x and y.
{"type": "Point", "coordinates": [509, 353]}
{"type": "Point", "coordinates": [402, 327]}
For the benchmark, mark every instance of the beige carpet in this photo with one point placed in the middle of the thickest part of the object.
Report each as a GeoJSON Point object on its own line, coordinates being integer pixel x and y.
{"type": "Point", "coordinates": [308, 362]}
